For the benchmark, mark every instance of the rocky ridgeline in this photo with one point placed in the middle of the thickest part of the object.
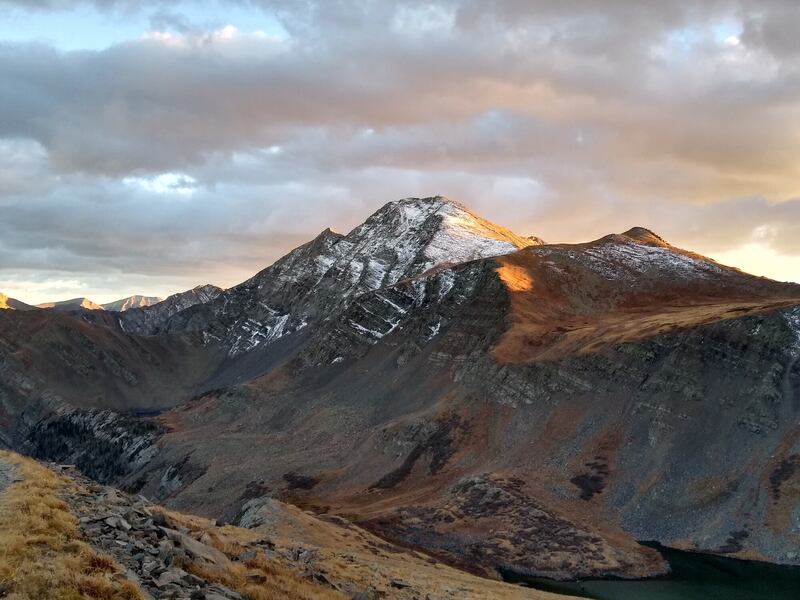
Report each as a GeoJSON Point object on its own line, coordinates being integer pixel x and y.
{"type": "Point", "coordinates": [154, 551]}
{"type": "Point", "coordinates": [144, 542]}
{"type": "Point", "coordinates": [148, 320]}
{"type": "Point", "coordinates": [159, 553]}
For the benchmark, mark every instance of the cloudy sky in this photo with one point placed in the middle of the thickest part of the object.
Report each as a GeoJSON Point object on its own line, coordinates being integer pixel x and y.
{"type": "Point", "coordinates": [149, 146]}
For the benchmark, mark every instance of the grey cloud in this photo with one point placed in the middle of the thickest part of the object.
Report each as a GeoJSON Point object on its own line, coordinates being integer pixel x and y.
{"type": "Point", "coordinates": [60, 5]}
{"type": "Point", "coordinates": [774, 29]}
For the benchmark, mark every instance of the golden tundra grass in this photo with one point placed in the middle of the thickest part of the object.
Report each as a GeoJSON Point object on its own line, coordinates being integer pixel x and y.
{"type": "Point", "coordinates": [256, 579]}
{"type": "Point", "coordinates": [41, 554]}
{"type": "Point", "coordinates": [346, 554]}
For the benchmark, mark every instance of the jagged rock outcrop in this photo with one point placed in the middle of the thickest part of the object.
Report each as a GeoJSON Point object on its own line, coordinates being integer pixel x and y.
{"type": "Point", "coordinates": [152, 550]}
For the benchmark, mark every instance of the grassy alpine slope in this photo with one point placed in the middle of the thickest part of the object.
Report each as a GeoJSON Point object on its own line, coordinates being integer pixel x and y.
{"type": "Point", "coordinates": [41, 553]}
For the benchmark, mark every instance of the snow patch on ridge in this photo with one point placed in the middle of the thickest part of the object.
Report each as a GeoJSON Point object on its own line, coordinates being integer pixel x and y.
{"type": "Point", "coordinates": [462, 238]}
{"type": "Point", "coordinates": [255, 333]}
{"type": "Point", "coordinates": [376, 315]}
{"type": "Point", "coordinates": [616, 261]}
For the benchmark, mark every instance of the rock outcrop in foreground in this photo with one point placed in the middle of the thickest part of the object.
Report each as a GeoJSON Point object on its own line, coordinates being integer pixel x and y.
{"type": "Point", "coordinates": [136, 550]}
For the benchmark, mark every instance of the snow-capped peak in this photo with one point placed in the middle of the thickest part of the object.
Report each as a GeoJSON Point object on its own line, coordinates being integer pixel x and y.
{"type": "Point", "coordinates": [427, 232]}
{"type": "Point", "coordinates": [402, 239]}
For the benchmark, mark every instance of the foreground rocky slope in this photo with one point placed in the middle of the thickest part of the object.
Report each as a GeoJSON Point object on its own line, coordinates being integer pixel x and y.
{"type": "Point", "coordinates": [519, 407]}
{"type": "Point", "coordinates": [138, 551]}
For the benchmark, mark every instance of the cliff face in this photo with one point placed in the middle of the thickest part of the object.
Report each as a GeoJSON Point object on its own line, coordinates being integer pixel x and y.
{"type": "Point", "coordinates": [538, 410]}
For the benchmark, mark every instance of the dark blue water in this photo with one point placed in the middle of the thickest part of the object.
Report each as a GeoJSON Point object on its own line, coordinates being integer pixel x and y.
{"type": "Point", "coordinates": [694, 577]}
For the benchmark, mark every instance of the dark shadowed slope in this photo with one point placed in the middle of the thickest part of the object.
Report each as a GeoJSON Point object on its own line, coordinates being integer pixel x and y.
{"type": "Point", "coordinates": [90, 365]}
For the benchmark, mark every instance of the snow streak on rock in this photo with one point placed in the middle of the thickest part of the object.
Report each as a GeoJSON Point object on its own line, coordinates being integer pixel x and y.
{"type": "Point", "coordinates": [618, 260]}
{"type": "Point", "coordinates": [422, 306]}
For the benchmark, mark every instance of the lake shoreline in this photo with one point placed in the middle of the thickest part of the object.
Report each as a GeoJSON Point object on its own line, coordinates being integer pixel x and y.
{"type": "Point", "coordinates": [693, 576]}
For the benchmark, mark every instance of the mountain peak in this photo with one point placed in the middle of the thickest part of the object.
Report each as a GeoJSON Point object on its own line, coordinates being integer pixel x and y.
{"type": "Point", "coordinates": [536, 240]}
{"type": "Point", "coordinates": [439, 230]}
{"type": "Point", "coordinates": [645, 236]}
{"type": "Point", "coordinates": [325, 239]}
{"type": "Point", "coordinates": [422, 207]}
{"type": "Point", "coordinates": [426, 201]}
{"type": "Point", "coordinates": [203, 287]}
{"type": "Point", "coordinates": [402, 239]}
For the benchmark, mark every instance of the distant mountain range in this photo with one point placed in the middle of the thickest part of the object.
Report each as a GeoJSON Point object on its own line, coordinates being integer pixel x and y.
{"type": "Point", "coordinates": [73, 304]}
{"type": "Point", "coordinates": [502, 404]}
{"type": "Point", "coordinates": [178, 301]}
{"type": "Point", "coordinates": [131, 302]}
{"type": "Point", "coordinates": [117, 306]}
